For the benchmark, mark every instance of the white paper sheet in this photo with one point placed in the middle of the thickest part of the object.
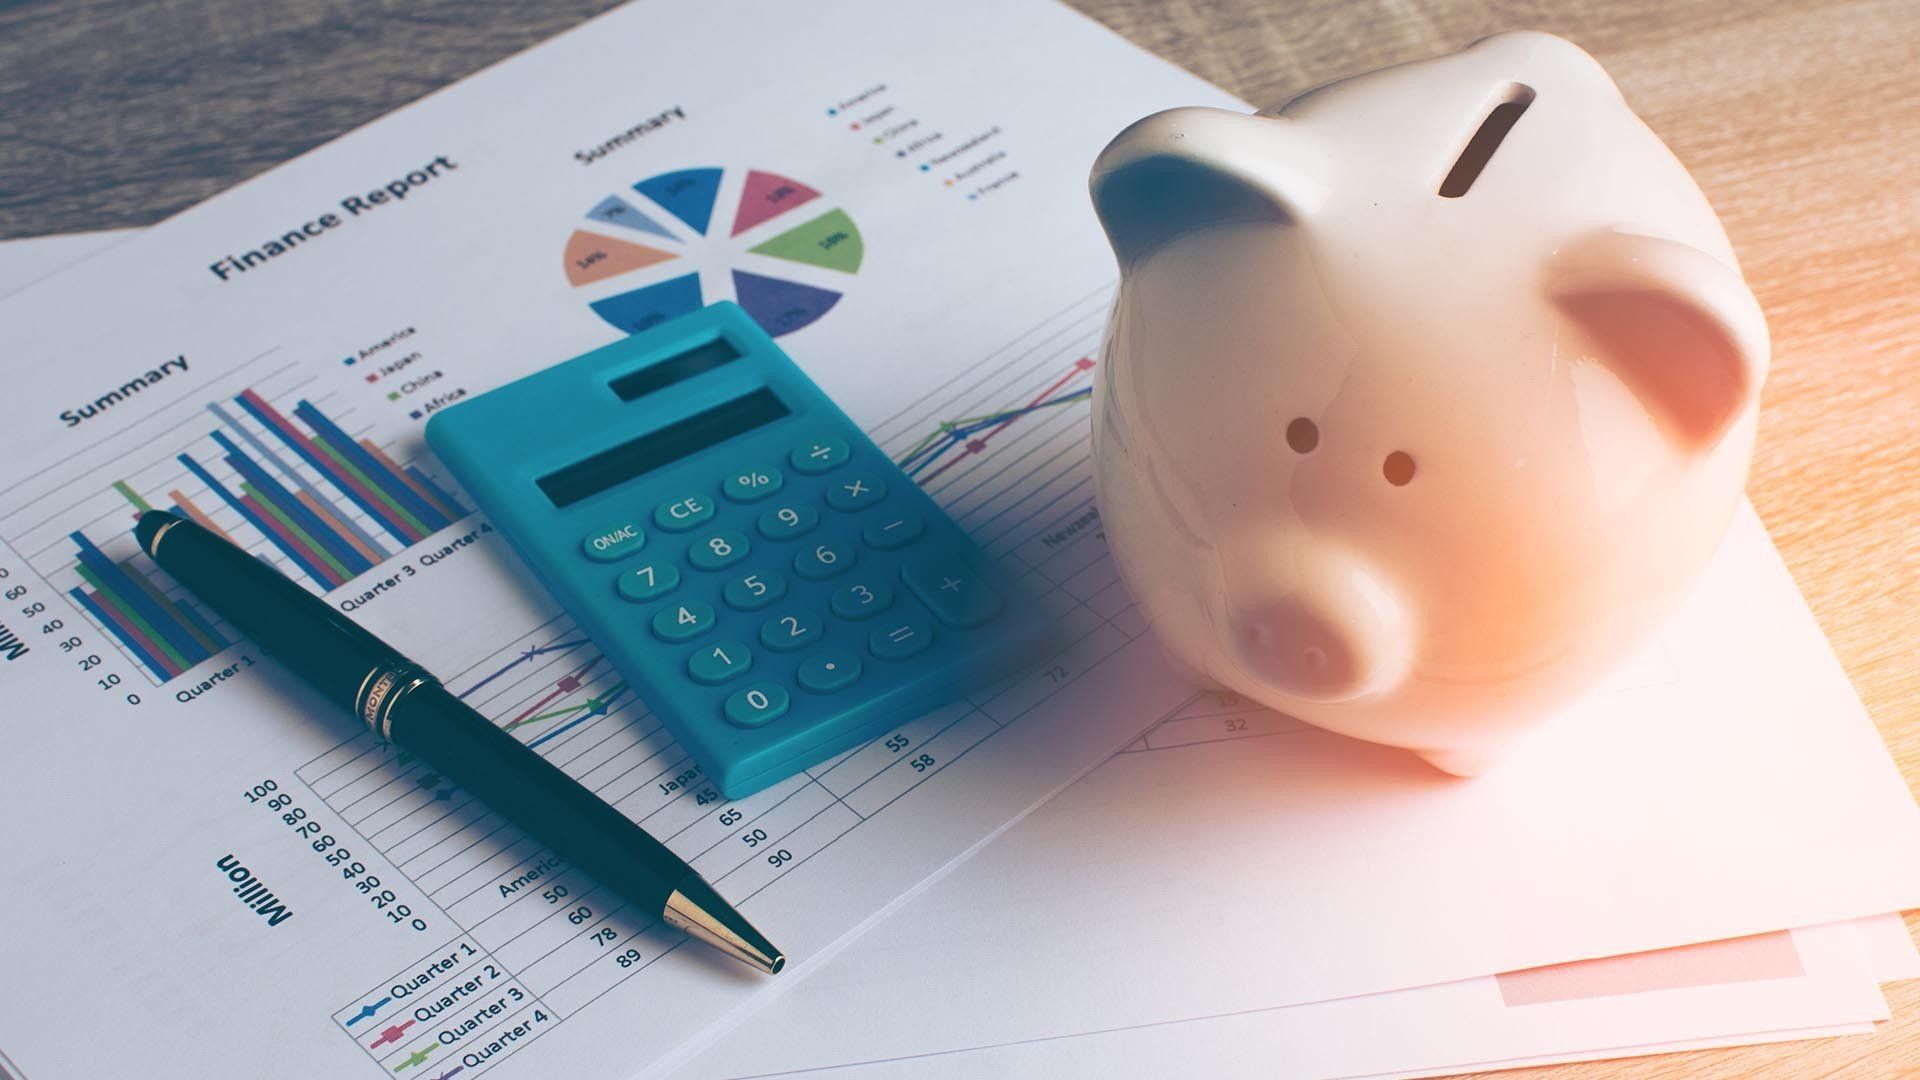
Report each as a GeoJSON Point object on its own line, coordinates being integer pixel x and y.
{"type": "Point", "coordinates": [1889, 948]}
{"type": "Point", "coordinates": [1810, 978]}
{"type": "Point", "coordinates": [1244, 861]}
{"type": "Point", "coordinates": [454, 245]}
{"type": "Point", "coordinates": [25, 261]}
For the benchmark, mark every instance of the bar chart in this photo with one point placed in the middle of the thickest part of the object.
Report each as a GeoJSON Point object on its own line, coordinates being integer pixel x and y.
{"type": "Point", "coordinates": [288, 482]}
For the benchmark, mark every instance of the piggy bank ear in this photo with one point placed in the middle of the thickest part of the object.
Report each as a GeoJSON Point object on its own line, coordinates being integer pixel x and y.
{"type": "Point", "coordinates": [1676, 325]}
{"type": "Point", "coordinates": [1182, 170]}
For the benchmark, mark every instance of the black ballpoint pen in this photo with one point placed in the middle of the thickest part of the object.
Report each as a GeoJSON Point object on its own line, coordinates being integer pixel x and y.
{"type": "Point", "coordinates": [401, 702]}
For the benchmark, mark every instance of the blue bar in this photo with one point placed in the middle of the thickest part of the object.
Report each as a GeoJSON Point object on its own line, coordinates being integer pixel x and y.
{"type": "Point", "coordinates": [273, 459]}
{"type": "Point", "coordinates": [135, 597]}
{"type": "Point", "coordinates": [437, 491]}
{"type": "Point", "coordinates": [153, 664]}
{"type": "Point", "coordinates": [271, 490]}
{"type": "Point", "coordinates": [325, 468]}
{"type": "Point", "coordinates": [317, 573]}
{"type": "Point", "coordinates": [395, 488]}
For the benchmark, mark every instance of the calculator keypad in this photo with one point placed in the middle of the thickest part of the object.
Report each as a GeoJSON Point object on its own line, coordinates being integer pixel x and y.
{"type": "Point", "coordinates": [715, 664]}
{"type": "Point", "coordinates": [828, 671]}
{"type": "Point", "coordinates": [943, 589]}
{"type": "Point", "coordinates": [717, 550]}
{"type": "Point", "coordinates": [897, 639]}
{"type": "Point", "coordinates": [751, 592]}
{"type": "Point", "coordinates": [790, 630]}
{"type": "Point", "coordinates": [816, 456]}
{"type": "Point", "coordinates": [855, 491]}
{"type": "Point", "coordinates": [954, 593]}
{"type": "Point", "coordinates": [615, 542]}
{"type": "Point", "coordinates": [823, 561]}
{"type": "Point", "coordinates": [680, 622]}
{"type": "Point", "coordinates": [757, 705]}
{"type": "Point", "coordinates": [892, 531]}
{"type": "Point", "coordinates": [862, 599]}
{"type": "Point", "coordinates": [683, 513]}
{"type": "Point", "coordinates": [753, 483]}
{"type": "Point", "coordinates": [789, 520]}
{"type": "Point", "coordinates": [648, 581]}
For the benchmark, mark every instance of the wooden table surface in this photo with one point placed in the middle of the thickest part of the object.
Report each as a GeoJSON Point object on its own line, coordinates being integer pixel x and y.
{"type": "Point", "coordinates": [1801, 121]}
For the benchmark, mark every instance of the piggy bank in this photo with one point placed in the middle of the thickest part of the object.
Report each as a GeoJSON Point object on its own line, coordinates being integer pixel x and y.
{"type": "Point", "coordinates": [1423, 398]}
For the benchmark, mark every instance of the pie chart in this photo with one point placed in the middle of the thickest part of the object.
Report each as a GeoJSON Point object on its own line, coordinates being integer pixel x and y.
{"type": "Point", "coordinates": [676, 242]}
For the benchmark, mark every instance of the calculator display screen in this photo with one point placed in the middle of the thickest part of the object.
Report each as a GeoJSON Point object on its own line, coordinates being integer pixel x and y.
{"type": "Point", "coordinates": [662, 446]}
{"type": "Point", "coordinates": [695, 361]}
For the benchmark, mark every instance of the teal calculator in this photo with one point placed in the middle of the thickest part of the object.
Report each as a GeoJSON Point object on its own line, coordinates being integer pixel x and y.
{"type": "Point", "coordinates": [767, 580]}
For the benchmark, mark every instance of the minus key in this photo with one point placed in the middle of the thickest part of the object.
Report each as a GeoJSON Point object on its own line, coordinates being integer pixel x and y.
{"type": "Point", "coordinates": [889, 531]}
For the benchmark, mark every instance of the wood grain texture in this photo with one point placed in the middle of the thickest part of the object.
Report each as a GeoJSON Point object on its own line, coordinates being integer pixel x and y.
{"type": "Point", "coordinates": [1801, 121]}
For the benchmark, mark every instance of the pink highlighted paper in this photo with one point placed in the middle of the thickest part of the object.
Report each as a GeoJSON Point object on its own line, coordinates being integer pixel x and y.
{"type": "Point", "coordinates": [1712, 963]}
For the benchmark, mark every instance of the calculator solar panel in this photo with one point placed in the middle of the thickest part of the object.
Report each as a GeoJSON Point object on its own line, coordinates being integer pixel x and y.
{"type": "Point", "coordinates": [771, 584]}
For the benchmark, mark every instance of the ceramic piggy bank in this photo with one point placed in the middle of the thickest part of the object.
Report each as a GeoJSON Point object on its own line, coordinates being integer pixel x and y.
{"type": "Point", "coordinates": [1422, 398]}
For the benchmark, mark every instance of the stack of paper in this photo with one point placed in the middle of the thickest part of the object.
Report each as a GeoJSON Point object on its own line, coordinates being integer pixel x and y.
{"type": "Point", "coordinates": [1198, 900]}
{"type": "Point", "coordinates": [1232, 893]}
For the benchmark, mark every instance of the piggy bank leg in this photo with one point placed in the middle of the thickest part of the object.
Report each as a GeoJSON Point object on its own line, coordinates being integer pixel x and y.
{"type": "Point", "coordinates": [1465, 761]}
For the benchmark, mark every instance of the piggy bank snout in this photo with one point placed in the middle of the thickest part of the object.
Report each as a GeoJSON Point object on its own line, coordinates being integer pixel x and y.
{"type": "Point", "coordinates": [1339, 636]}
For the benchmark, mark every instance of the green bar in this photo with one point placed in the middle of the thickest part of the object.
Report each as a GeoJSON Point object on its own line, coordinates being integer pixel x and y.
{"type": "Point", "coordinates": [293, 527]}
{"type": "Point", "coordinates": [398, 510]}
{"type": "Point", "coordinates": [172, 609]}
{"type": "Point", "coordinates": [131, 496]}
{"type": "Point", "coordinates": [126, 611]}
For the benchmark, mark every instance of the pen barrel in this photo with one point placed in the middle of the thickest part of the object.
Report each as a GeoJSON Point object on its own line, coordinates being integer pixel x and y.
{"type": "Point", "coordinates": [332, 653]}
{"type": "Point", "coordinates": [531, 792]}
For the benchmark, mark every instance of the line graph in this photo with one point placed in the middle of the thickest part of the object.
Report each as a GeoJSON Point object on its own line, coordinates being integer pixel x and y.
{"type": "Point", "coordinates": [526, 656]}
{"type": "Point", "coordinates": [924, 462]}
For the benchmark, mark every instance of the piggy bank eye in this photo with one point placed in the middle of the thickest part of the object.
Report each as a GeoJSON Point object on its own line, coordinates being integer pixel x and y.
{"type": "Point", "coordinates": [1303, 435]}
{"type": "Point", "coordinates": [1398, 468]}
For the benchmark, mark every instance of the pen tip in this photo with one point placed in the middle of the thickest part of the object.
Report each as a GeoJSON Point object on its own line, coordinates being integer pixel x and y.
{"type": "Point", "coordinates": [702, 913]}
{"type": "Point", "coordinates": [151, 524]}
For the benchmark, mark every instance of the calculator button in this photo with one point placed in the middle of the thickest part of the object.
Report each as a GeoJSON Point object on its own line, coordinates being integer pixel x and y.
{"type": "Point", "coordinates": [824, 561]}
{"type": "Point", "coordinates": [754, 591]}
{"type": "Point", "coordinates": [897, 639]}
{"type": "Point", "coordinates": [714, 664]}
{"type": "Point", "coordinates": [643, 583]}
{"type": "Point", "coordinates": [683, 513]}
{"type": "Point", "coordinates": [679, 622]}
{"type": "Point", "coordinates": [819, 455]}
{"type": "Point", "coordinates": [950, 587]}
{"type": "Point", "coordinates": [752, 484]}
{"type": "Point", "coordinates": [862, 599]}
{"type": "Point", "coordinates": [757, 705]}
{"type": "Point", "coordinates": [790, 631]}
{"type": "Point", "coordinates": [720, 549]}
{"type": "Point", "coordinates": [890, 531]}
{"type": "Point", "coordinates": [827, 672]}
{"type": "Point", "coordinates": [856, 492]}
{"type": "Point", "coordinates": [614, 542]}
{"type": "Point", "coordinates": [786, 522]}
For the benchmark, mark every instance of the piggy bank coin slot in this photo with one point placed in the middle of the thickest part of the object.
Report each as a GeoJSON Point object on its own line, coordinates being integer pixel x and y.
{"type": "Point", "coordinates": [1492, 132]}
